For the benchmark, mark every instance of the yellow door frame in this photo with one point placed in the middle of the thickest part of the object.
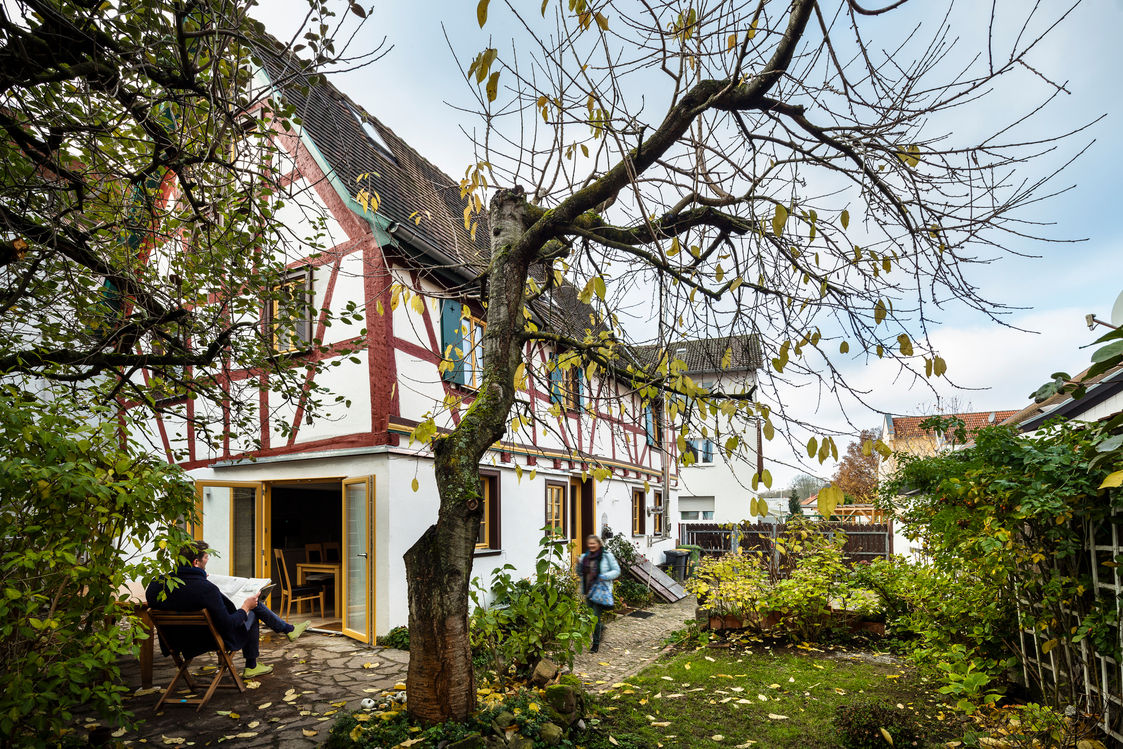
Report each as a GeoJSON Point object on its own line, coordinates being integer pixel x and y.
{"type": "Point", "coordinates": [371, 609]}
{"type": "Point", "coordinates": [262, 565]}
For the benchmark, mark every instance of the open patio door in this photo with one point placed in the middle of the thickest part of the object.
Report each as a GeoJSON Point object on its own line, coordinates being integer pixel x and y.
{"type": "Point", "coordinates": [358, 556]}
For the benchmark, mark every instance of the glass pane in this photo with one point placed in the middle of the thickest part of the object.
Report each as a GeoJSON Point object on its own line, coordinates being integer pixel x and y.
{"type": "Point", "coordinates": [245, 513]}
{"type": "Point", "coordinates": [356, 524]}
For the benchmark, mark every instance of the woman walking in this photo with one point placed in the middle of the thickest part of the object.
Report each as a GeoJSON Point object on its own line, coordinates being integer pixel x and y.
{"type": "Point", "coordinates": [597, 568]}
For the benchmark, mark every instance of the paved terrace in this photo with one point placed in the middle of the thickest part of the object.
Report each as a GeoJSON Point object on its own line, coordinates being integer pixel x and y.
{"type": "Point", "coordinates": [320, 675]}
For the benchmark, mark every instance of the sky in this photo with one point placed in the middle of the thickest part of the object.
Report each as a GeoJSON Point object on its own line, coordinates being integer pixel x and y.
{"type": "Point", "coordinates": [416, 89]}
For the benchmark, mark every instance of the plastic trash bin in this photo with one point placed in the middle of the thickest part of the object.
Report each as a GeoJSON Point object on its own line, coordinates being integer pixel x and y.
{"type": "Point", "coordinates": [677, 561]}
{"type": "Point", "coordinates": [695, 556]}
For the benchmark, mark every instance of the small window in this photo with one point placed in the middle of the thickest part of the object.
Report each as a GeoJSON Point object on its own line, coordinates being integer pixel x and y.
{"type": "Point", "coordinates": [653, 425]}
{"type": "Point", "coordinates": [659, 520]}
{"type": "Point", "coordinates": [289, 313]}
{"type": "Point", "coordinates": [639, 512]}
{"type": "Point", "coordinates": [555, 508]}
{"type": "Point", "coordinates": [567, 385]}
{"type": "Point", "coordinates": [461, 344]}
{"type": "Point", "coordinates": [488, 535]}
{"type": "Point", "coordinates": [473, 332]}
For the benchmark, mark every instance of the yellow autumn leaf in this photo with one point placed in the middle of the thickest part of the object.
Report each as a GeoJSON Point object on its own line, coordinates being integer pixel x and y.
{"type": "Point", "coordinates": [1112, 480]}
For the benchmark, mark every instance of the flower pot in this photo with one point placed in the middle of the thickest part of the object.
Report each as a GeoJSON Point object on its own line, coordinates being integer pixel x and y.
{"type": "Point", "coordinates": [732, 621]}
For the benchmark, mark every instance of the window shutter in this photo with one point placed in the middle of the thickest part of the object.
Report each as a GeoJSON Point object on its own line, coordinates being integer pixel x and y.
{"type": "Point", "coordinates": [557, 382]}
{"type": "Point", "coordinates": [649, 426]}
{"type": "Point", "coordinates": [579, 396]}
{"type": "Point", "coordinates": [707, 451]}
{"type": "Point", "coordinates": [304, 326]}
{"type": "Point", "coordinates": [452, 335]}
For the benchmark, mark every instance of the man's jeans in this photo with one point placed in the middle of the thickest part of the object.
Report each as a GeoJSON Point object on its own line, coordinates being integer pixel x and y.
{"type": "Point", "coordinates": [259, 615]}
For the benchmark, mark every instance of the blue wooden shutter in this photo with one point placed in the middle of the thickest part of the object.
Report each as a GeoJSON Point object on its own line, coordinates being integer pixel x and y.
{"type": "Point", "coordinates": [557, 382]}
{"type": "Point", "coordinates": [452, 334]}
{"type": "Point", "coordinates": [649, 426]}
{"type": "Point", "coordinates": [579, 396]}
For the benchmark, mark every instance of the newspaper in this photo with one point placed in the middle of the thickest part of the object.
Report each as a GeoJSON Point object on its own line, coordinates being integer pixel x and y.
{"type": "Point", "coordinates": [238, 589]}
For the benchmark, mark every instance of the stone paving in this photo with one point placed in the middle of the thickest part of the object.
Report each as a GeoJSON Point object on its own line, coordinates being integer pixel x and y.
{"type": "Point", "coordinates": [630, 644]}
{"type": "Point", "coordinates": [313, 679]}
{"type": "Point", "coordinates": [320, 675]}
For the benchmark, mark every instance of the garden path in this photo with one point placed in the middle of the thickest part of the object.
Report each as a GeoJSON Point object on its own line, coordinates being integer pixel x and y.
{"type": "Point", "coordinates": [630, 644]}
{"type": "Point", "coordinates": [313, 679]}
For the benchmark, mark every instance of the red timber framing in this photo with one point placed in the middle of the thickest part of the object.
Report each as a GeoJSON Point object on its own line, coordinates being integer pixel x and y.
{"type": "Point", "coordinates": [386, 422]}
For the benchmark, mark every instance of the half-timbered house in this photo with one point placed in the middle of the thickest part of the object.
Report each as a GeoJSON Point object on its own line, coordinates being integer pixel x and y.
{"type": "Point", "coordinates": [352, 479]}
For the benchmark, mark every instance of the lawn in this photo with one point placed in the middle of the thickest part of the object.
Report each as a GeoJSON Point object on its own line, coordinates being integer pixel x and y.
{"type": "Point", "coordinates": [763, 697]}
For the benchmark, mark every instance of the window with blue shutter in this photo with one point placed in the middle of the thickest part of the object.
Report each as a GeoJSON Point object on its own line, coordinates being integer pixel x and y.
{"type": "Point", "coordinates": [707, 451]}
{"type": "Point", "coordinates": [452, 340]}
{"type": "Point", "coordinates": [578, 389]}
{"type": "Point", "coordinates": [649, 426]}
{"type": "Point", "coordinates": [557, 382]}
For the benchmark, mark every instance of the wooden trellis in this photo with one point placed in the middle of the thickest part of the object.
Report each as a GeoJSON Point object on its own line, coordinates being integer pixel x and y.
{"type": "Point", "coordinates": [1092, 682]}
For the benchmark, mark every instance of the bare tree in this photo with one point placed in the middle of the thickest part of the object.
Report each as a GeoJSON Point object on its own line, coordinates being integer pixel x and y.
{"type": "Point", "coordinates": [759, 168]}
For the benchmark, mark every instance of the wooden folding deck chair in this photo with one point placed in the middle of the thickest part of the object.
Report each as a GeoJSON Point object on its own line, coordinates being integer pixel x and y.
{"type": "Point", "coordinates": [170, 623]}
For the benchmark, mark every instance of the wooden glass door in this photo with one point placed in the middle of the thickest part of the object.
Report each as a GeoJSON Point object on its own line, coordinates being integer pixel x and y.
{"type": "Point", "coordinates": [357, 556]}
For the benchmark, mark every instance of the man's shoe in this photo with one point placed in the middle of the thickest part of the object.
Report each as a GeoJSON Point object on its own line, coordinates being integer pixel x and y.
{"type": "Point", "coordinates": [595, 648]}
{"type": "Point", "coordinates": [298, 630]}
{"type": "Point", "coordinates": [259, 670]}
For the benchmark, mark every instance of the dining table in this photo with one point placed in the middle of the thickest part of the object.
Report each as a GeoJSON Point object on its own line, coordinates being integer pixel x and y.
{"type": "Point", "coordinates": [335, 568]}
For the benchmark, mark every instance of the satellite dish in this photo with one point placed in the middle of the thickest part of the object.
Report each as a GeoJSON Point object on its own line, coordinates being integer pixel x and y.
{"type": "Point", "coordinates": [1117, 312]}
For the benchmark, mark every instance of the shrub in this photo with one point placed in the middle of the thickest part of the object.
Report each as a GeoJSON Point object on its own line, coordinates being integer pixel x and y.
{"type": "Point", "coordinates": [397, 638]}
{"type": "Point", "coordinates": [863, 724]}
{"type": "Point", "coordinates": [74, 510]}
{"type": "Point", "coordinates": [633, 593]}
{"type": "Point", "coordinates": [530, 619]}
{"type": "Point", "coordinates": [735, 583]}
{"type": "Point", "coordinates": [626, 553]}
{"type": "Point", "coordinates": [955, 624]}
{"type": "Point", "coordinates": [818, 575]}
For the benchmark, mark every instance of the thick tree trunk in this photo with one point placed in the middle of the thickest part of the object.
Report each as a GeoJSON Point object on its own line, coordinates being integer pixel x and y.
{"type": "Point", "coordinates": [440, 685]}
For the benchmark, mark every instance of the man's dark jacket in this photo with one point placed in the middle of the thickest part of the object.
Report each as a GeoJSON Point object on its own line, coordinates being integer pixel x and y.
{"type": "Point", "coordinates": [196, 592]}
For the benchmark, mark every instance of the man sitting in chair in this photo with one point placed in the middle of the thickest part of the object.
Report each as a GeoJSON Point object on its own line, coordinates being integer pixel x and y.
{"type": "Point", "coordinates": [239, 627]}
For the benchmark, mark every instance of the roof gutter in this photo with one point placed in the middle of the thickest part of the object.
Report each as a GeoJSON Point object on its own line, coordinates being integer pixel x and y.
{"type": "Point", "coordinates": [448, 268]}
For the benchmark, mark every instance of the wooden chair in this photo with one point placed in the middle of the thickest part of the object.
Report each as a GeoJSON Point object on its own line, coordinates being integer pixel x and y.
{"type": "Point", "coordinates": [331, 552]}
{"type": "Point", "coordinates": [290, 594]}
{"type": "Point", "coordinates": [169, 626]}
{"type": "Point", "coordinates": [314, 553]}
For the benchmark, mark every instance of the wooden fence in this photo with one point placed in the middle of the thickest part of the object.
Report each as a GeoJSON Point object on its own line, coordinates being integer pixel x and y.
{"type": "Point", "coordinates": [864, 541]}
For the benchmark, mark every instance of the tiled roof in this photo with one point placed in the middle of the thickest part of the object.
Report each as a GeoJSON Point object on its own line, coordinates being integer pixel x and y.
{"type": "Point", "coordinates": [705, 355]}
{"type": "Point", "coordinates": [907, 427]}
{"type": "Point", "coordinates": [408, 185]}
{"type": "Point", "coordinates": [1034, 410]}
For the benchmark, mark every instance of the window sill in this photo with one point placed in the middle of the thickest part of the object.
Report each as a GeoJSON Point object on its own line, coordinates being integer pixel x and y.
{"type": "Point", "coordinates": [487, 553]}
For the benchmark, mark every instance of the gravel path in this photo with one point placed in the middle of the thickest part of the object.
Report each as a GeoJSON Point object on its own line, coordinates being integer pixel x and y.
{"type": "Point", "coordinates": [630, 644]}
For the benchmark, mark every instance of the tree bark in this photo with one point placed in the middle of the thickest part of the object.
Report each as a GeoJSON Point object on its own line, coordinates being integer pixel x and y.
{"type": "Point", "coordinates": [441, 684]}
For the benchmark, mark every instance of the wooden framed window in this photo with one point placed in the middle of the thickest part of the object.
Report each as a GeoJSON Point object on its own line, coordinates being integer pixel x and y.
{"type": "Point", "coordinates": [289, 313]}
{"type": "Point", "coordinates": [472, 329]}
{"type": "Point", "coordinates": [702, 450]}
{"type": "Point", "coordinates": [462, 344]}
{"type": "Point", "coordinates": [653, 424]}
{"type": "Point", "coordinates": [659, 520]}
{"type": "Point", "coordinates": [488, 536]}
{"type": "Point", "coordinates": [639, 512]}
{"type": "Point", "coordinates": [567, 385]}
{"type": "Point", "coordinates": [555, 508]}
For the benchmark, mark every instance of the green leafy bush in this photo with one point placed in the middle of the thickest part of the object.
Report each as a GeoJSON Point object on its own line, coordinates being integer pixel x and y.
{"type": "Point", "coordinates": [397, 638]}
{"type": "Point", "coordinates": [818, 575]}
{"type": "Point", "coordinates": [734, 583]}
{"type": "Point", "coordinates": [528, 620]}
{"type": "Point", "coordinates": [75, 513]}
{"type": "Point", "coordinates": [954, 624]}
{"type": "Point", "coordinates": [632, 592]}
{"type": "Point", "coordinates": [864, 724]}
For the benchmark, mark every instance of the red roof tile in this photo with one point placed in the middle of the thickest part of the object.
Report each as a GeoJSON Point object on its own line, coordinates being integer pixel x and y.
{"type": "Point", "coordinates": [907, 427]}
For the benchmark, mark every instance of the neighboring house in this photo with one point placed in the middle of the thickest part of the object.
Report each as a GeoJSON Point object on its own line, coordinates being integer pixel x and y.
{"type": "Point", "coordinates": [353, 476]}
{"type": "Point", "coordinates": [712, 487]}
{"type": "Point", "coordinates": [1103, 397]}
{"type": "Point", "coordinates": [904, 435]}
